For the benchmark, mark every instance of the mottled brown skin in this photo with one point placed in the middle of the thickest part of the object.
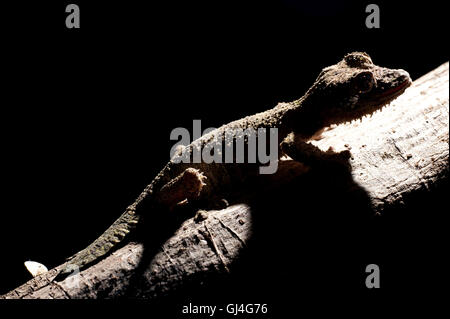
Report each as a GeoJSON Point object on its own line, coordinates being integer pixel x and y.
{"type": "Point", "coordinates": [343, 92]}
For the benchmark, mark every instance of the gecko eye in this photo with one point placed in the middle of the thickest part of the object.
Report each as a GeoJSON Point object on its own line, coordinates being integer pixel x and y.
{"type": "Point", "coordinates": [364, 82]}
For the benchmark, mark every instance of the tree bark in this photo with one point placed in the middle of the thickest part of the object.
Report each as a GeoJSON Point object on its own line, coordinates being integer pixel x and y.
{"type": "Point", "coordinates": [397, 153]}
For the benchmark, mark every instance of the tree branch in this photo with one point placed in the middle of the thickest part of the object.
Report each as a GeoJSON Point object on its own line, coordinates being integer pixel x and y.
{"type": "Point", "coordinates": [396, 153]}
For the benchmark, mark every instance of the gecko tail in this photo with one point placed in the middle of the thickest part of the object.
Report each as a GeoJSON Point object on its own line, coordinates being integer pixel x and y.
{"type": "Point", "coordinates": [102, 245]}
{"type": "Point", "coordinates": [187, 185]}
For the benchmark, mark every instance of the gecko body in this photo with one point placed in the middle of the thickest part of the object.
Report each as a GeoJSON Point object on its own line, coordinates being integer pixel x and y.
{"type": "Point", "coordinates": [346, 91]}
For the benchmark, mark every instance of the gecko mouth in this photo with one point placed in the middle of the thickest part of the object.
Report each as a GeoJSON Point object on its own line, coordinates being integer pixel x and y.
{"type": "Point", "coordinates": [379, 99]}
{"type": "Point", "coordinates": [376, 100]}
{"type": "Point", "coordinates": [396, 90]}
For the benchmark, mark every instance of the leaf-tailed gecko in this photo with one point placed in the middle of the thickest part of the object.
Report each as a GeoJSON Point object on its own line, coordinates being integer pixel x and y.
{"type": "Point", "coordinates": [348, 90]}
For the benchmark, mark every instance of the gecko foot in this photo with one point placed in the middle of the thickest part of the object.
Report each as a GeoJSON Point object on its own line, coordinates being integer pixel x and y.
{"type": "Point", "coordinates": [201, 215]}
{"type": "Point", "coordinates": [338, 157]}
{"type": "Point", "coordinates": [184, 188]}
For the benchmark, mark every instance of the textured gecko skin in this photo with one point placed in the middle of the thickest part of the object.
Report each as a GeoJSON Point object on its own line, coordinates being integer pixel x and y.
{"type": "Point", "coordinates": [348, 90]}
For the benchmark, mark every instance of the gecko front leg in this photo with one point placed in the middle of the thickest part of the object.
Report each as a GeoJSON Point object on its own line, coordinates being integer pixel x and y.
{"type": "Point", "coordinates": [298, 149]}
{"type": "Point", "coordinates": [184, 188]}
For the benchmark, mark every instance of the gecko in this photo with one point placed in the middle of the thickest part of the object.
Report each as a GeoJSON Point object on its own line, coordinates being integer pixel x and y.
{"type": "Point", "coordinates": [349, 90]}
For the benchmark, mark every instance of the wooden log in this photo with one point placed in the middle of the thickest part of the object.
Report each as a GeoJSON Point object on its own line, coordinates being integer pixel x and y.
{"type": "Point", "coordinates": [397, 152]}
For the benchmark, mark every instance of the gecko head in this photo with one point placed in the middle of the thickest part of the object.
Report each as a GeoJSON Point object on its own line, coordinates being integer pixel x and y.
{"type": "Point", "coordinates": [355, 87]}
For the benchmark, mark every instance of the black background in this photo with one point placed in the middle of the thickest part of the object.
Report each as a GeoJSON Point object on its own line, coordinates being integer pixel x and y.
{"type": "Point", "coordinates": [86, 114]}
